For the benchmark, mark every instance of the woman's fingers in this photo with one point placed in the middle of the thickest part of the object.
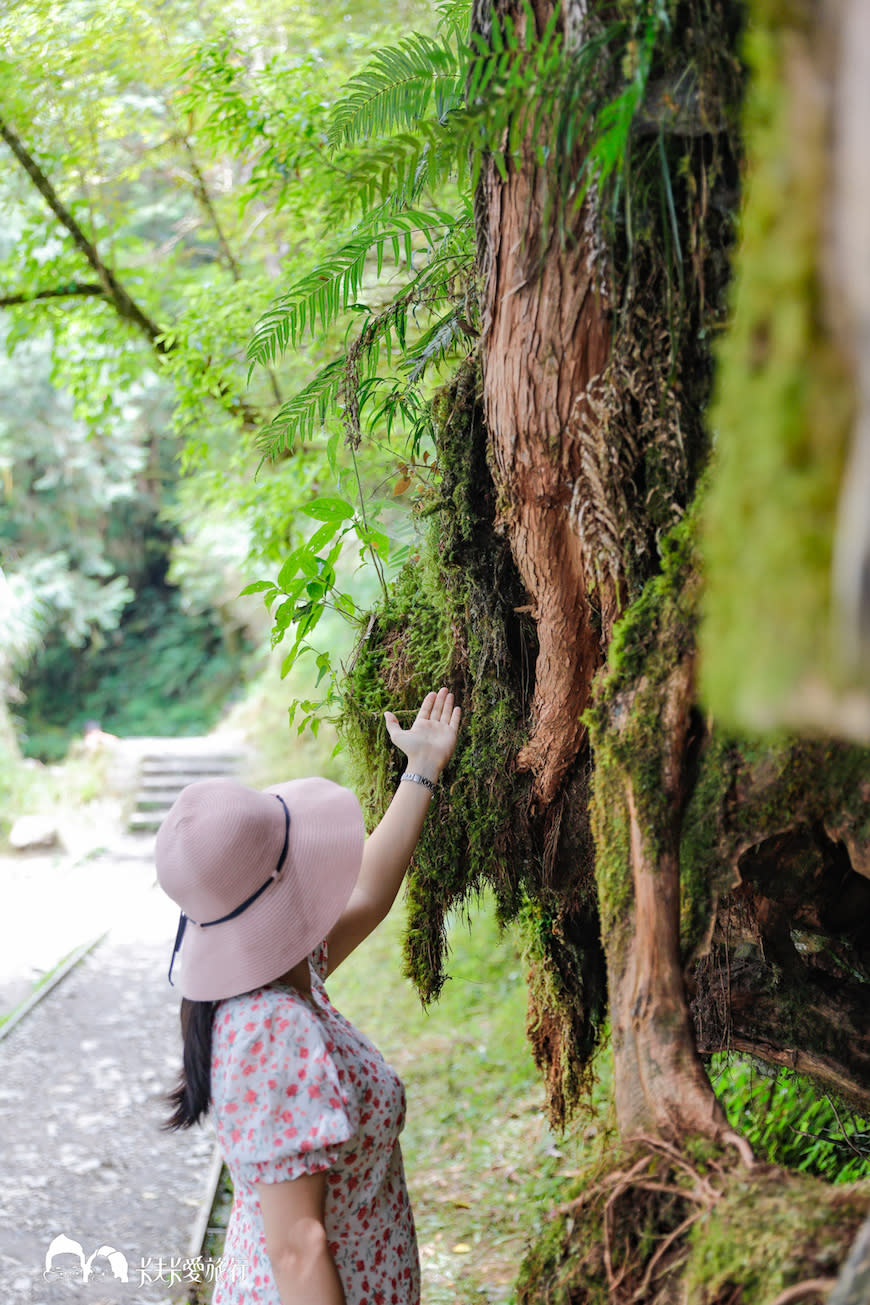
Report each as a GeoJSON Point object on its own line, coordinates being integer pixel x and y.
{"type": "Point", "coordinates": [427, 705]}
{"type": "Point", "coordinates": [438, 708]}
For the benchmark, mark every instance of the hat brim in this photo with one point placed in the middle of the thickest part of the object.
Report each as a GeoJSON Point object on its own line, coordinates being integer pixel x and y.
{"type": "Point", "coordinates": [295, 913]}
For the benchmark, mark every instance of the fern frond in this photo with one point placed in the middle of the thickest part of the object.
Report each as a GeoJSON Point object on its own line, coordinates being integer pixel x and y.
{"type": "Point", "coordinates": [394, 90]}
{"type": "Point", "coordinates": [300, 416]}
{"type": "Point", "coordinates": [436, 344]}
{"type": "Point", "coordinates": [353, 375]}
{"type": "Point", "coordinates": [455, 16]}
{"type": "Point", "coordinates": [318, 298]}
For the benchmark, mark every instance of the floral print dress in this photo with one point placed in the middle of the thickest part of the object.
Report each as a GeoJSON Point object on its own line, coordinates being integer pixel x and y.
{"type": "Point", "coordinates": [297, 1089]}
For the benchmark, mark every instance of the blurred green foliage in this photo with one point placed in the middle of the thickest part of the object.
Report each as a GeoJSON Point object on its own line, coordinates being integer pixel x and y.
{"type": "Point", "coordinates": [788, 1121]}
{"type": "Point", "coordinates": [184, 150]}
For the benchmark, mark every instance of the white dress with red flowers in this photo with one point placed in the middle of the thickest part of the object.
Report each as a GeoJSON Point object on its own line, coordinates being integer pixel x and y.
{"type": "Point", "coordinates": [297, 1089]}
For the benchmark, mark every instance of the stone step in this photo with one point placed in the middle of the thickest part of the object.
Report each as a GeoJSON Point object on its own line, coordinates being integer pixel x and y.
{"type": "Point", "coordinates": [159, 801]}
{"type": "Point", "coordinates": [146, 822]}
{"type": "Point", "coordinates": [176, 779]}
{"type": "Point", "coordinates": [163, 774]}
{"type": "Point", "coordinates": [185, 765]}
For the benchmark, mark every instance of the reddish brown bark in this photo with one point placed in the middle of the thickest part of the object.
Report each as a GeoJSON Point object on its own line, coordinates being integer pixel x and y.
{"type": "Point", "coordinates": [661, 1086]}
{"type": "Point", "coordinates": [545, 337]}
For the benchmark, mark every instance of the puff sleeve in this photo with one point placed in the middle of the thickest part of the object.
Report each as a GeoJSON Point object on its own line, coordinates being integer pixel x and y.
{"type": "Point", "coordinates": [282, 1105]}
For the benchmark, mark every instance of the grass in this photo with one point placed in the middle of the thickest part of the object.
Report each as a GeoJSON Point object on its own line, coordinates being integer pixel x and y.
{"type": "Point", "coordinates": [28, 787]}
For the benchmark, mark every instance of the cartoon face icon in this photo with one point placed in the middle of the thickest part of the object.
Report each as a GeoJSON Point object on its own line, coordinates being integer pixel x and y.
{"type": "Point", "coordinates": [70, 1257]}
{"type": "Point", "coordinates": [65, 1259]}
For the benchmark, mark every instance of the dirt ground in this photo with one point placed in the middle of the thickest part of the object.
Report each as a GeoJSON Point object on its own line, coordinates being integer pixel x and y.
{"type": "Point", "coordinates": [82, 1077]}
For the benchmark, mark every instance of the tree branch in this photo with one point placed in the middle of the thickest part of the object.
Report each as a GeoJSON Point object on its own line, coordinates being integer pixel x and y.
{"type": "Point", "coordinates": [123, 303]}
{"type": "Point", "coordinates": [88, 288]}
{"type": "Point", "coordinates": [202, 194]}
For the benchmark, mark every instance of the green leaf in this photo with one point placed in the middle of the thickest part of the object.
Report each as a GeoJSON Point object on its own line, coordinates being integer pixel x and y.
{"type": "Point", "coordinates": [290, 568]}
{"type": "Point", "coordinates": [323, 534]}
{"type": "Point", "coordinates": [284, 615]}
{"type": "Point", "coordinates": [258, 587]}
{"type": "Point", "coordinates": [329, 509]}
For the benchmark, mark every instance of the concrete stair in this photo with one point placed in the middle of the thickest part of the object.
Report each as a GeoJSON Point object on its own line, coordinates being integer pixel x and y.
{"type": "Point", "coordinates": [164, 772]}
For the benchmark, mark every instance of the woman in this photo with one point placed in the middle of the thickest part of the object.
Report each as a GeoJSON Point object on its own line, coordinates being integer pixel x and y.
{"type": "Point", "coordinates": [276, 889]}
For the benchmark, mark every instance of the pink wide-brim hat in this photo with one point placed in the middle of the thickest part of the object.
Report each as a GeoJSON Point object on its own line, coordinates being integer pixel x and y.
{"type": "Point", "coordinates": [222, 842]}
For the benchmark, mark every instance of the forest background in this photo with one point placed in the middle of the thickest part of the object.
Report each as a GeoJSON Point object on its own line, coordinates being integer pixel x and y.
{"type": "Point", "coordinates": [257, 339]}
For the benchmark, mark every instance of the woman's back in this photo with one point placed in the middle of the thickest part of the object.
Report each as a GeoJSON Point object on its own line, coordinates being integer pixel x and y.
{"type": "Point", "coordinates": [297, 1089]}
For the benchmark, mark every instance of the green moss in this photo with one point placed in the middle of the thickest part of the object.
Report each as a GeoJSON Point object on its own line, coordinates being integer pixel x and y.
{"type": "Point", "coordinates": [449, 620]}
{"type": "Point", "coordinates": [770, 1232]}
{"type": "Point", "coordinates": [555, 1266]}
{"type": "Point", "coordinates": [782, 414]}
{"type": "Point", "coordinates": [705, 870]}
{"type": "Point", "coordinates": [767, 1230]}
{"type": "Point", "coordinates": [741, 790]}
{"type": "Point", "coordinates": [452, 617]}
{"type": "Point", "coordinates": [748, 791]}
{"type": "Point", "coordinates": [625, 721]}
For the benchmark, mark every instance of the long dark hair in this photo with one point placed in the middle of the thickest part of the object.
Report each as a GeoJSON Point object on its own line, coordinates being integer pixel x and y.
{"type": "Point", "coordinates": [191, 1097]}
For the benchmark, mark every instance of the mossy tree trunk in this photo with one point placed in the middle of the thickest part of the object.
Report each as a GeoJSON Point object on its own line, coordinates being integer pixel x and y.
{"type": "Point", "coordinates": [545, 339]}
{"type": "Point", "coordinates": [552, 403]}
{"type": "Point", "coordinates": [727, 877]}
{"type": "Point", "coordinates": [661, 1087]}
{"type": "Point", "coordinates": [596, 369]}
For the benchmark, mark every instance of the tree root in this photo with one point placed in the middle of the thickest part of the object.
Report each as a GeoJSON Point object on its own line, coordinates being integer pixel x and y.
{"type": "Point", "coordinates": [621, 1263]}
{"type": "Point", "coordinates": [633, 1234]}
{"type": "Point", "coordinates": [744, 1150]}
{"type": "Point", "coordinates": [800, 1290]}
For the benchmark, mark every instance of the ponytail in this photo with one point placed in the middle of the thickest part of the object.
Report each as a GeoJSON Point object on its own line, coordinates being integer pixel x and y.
{"type": "Point", "coordinates": [191, 1097]}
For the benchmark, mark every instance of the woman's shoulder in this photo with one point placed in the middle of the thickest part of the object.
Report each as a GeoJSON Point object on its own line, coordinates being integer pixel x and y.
{"type": "Point", "coordinates": [274, 1005]}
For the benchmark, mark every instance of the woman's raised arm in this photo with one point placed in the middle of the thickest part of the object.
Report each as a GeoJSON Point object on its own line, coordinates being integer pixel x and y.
{"type": "Point", "coordinates": [428, 745]}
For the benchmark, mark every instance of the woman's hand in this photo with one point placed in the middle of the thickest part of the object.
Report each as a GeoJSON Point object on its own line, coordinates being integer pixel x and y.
{"type": "Point", "coordinates": [428, 745]}
{"type": "Point", "coordinates": [430, 741]}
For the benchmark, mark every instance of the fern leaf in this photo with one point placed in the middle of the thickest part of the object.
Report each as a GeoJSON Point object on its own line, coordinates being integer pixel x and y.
{"type": "Point", "coordinates": [300, 416]}
{"type": "Point", "coordinates": [394, 90]}
{"type": "Point", "coordinates": [318, 298]}
{"type": "Point", "coordinates": [435, 344]}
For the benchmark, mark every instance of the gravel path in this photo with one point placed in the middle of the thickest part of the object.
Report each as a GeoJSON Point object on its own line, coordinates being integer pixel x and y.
{"type": "Point", "coordinates": [81, 1081]}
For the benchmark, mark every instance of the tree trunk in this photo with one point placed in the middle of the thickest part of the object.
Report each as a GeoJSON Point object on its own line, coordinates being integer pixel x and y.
{"type": "Point", "coordinates": [545, 339]}
{"type": "Point", "coordinates": [563, 398]}
{"type": "Point", "coordinates": [661, 1087]}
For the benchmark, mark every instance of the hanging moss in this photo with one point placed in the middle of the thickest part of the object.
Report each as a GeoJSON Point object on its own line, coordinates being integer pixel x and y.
{"type": "Point", "coordinates": [449, 620]}
{"type": "Point", "coordinates": [452, 617]}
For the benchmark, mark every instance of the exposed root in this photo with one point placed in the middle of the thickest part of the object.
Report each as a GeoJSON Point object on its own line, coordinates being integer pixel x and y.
{"type": "Point", "coordinates": [744, 1150]}
{"type": "Point", "coordinates": [697, 1225]}
{"type": "Point", "coordinates": [800, 1290]}
{"type": "Point", "coordinates": [662, 1179]}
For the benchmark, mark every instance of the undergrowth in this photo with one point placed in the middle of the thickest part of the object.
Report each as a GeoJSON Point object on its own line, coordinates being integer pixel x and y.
{"type": "Point", "coordinates": [790, 1122]}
